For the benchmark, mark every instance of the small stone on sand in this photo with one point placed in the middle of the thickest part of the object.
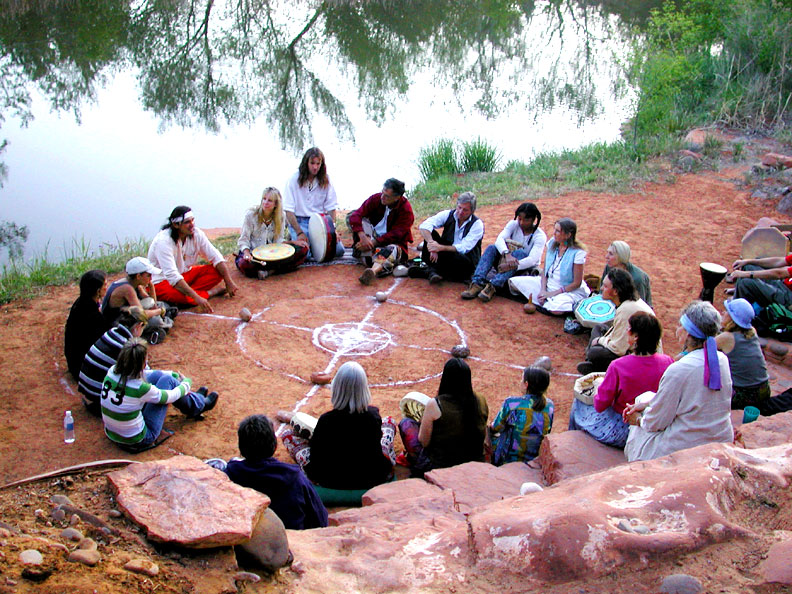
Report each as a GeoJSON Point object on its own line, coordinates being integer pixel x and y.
{"type": "Point", "coordinates": [244, 314]}
{"type": "Point", "coordinates": [381, 296]}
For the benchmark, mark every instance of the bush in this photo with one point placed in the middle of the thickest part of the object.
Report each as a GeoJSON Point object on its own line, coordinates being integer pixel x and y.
{"type": "Point", "coordinates": [479, 156]}
{"type": "Point", "coordinates": [438, 159]}
{"type": "Point", "coordinates": [705, 61]}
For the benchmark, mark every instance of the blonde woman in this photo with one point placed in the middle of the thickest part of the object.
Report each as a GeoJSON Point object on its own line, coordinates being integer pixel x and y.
{"type": "Point", "coordinates": [264, 224]}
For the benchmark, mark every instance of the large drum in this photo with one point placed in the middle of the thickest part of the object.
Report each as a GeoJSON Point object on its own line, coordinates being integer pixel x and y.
{"type": "Point", "coordinates": [711, 276]}
{"type": "Point", "coordinates": [278, 257]}
{"type": "Point", "coordinates": [322, 237]}
{"type": "Point", "coordinates": [272, 252]}
{"type": "Point", "coordinates": [594, 310]}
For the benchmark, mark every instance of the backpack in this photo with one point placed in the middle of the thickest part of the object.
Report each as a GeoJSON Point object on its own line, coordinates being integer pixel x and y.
{"type": "Point", "coordinates": [774, 321]}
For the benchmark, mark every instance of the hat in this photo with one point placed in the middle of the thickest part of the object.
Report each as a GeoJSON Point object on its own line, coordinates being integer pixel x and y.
{"type": "Point", "coordinates": [140, 264]}
{"type": "Point", "coordinates": [741, 312]}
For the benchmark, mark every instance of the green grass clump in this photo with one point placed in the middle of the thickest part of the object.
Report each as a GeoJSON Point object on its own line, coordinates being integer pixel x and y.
{"type": "Point", "coordinates": [479, 156]}
{"type": "Point", "coordinates": [438, 159]}
{"type": "Point", "coordinates": [27, 280]}
{"type": "Point", "coordinates": [599, 167]}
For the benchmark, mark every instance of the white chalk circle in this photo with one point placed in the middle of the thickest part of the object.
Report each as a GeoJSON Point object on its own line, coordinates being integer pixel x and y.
{"type": "Point", "coordinates": [351, 338]}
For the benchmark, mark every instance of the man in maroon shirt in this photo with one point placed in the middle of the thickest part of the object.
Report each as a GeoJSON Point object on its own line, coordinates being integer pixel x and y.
{"type": "Point", "coordinates": [382, 230]}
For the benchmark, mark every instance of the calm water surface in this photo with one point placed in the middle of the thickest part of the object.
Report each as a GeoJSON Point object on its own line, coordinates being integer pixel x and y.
{"type": "Point", "coordinates": [119, 170]}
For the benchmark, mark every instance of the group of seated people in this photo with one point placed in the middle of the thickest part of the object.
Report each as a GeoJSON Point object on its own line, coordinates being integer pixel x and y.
{"type": "Point", "coordinates": [648, 403]}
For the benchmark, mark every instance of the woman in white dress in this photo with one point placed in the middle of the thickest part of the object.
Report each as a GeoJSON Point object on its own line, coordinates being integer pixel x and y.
{"type": "Point", "coordinates": [692, 405]}
{"type": "Point", "coordinates": [560, 288]}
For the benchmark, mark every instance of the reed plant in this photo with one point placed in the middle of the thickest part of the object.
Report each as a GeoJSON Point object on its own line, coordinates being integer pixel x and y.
{"type": "Point", "coordinates": [440, 158]}
{"type": "Point", "coordinates": [477, 155]}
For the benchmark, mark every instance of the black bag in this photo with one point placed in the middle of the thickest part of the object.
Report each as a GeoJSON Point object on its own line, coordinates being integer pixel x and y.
{"type": "Point", "coordinates": [774, 321]}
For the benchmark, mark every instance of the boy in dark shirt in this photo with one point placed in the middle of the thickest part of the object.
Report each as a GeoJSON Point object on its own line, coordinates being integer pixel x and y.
{"type": "Point", "coordinates": [292, 495]}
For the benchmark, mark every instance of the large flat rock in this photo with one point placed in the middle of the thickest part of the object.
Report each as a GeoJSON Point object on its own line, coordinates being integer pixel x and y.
{"type": "Point", "coordinates": [183, 501]}
{"type": "Point", "coordinates": [593, 524]}
{"type": "Point", "coordinates": [399, 491]}
{"type": "Point", "coordinates": [768, 431]}
{"type": "Point", "coordinates": [479, 483]}
{"type": "Point", "coordinates": [569, 454]}
{"type": "Point", "coordinates": [407, 510]}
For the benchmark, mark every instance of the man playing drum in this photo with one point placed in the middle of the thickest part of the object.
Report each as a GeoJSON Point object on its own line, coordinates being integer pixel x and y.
{"type": "Point", "coordinates": [381, 230]}
{"type": "Point", "coordinates": [308, 192]}
{"type": "Point", "coordinates": [176, 250]}
{"type": "Point", "coordinates": [518, 249]}
{"type": "Point", "coordinates": [454, 252]}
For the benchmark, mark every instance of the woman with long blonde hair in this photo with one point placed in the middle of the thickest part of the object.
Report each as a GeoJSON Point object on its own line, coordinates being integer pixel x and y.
{"type": "Point", "coordinates": [266, 224]}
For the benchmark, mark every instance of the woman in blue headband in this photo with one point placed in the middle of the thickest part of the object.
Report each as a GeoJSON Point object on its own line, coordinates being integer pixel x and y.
{"type": "Point", "coordinates": [692, 405]}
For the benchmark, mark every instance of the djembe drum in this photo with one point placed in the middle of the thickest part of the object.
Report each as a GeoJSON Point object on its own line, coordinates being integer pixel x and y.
{"type": "Point", "coordinates": [277, 257]}
{"type": "Point", "coordinates": [322, 237]}
{"type": "Point", "coordinates": [711, 276]}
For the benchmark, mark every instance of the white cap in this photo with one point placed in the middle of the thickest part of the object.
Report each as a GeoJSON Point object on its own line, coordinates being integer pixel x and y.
{"type": "Point", "coordinates": [140, 264]}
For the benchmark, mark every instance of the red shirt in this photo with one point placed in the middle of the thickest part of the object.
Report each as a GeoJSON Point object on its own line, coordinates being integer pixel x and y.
{"type": "Point", "coordinates": [788, 280]}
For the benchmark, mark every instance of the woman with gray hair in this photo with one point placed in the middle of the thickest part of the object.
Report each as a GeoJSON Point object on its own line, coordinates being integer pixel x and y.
{"type": "Point", "coordinates": [618, 256]}
{"type": "Point", "coordinates": [692, 405]}
{"type": "Point", "coordinates": [351, 446]}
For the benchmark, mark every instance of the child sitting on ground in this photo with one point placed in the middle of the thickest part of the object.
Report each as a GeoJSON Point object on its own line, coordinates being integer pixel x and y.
{"type": "Point", "coordinates": [523, 421]}
{"type": "Point", "coordinates": [292, 495]}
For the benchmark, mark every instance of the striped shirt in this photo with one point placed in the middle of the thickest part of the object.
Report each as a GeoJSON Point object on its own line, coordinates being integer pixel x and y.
{"type": "Point", "coordinates": [98, 361]}
{"type": "Point", "coordinates": [121, 409]}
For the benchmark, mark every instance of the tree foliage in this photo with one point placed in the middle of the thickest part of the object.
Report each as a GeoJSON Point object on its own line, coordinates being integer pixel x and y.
{"type": "Point", "coordinates": [705, 61]}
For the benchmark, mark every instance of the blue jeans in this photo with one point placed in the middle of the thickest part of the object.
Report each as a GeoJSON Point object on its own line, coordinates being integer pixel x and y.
{"type": "Point", "coordinates": [488, 260]}
{"type": "Point", "coordinates": [191, 404]}
{"type": "Point", "coordinates": [303, 221]}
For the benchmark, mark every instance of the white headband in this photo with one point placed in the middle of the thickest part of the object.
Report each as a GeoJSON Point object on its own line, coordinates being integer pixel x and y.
{"type": "Point", "coordinates": [184, 217]}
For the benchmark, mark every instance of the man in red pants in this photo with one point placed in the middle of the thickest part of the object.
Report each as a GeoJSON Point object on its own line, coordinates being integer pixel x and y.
{"type": "Point", "coordinates": [176, 250]}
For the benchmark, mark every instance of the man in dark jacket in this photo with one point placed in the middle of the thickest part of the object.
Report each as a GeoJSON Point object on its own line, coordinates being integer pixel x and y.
{"type": "Point", "coordinates": [381, 230]}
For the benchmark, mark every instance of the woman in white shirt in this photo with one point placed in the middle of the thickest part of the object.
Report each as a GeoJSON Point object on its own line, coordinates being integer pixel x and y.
{"type": "Point", "coordinates": [560, 288]}
{"type": "Point", "coordinates": [266, 224]}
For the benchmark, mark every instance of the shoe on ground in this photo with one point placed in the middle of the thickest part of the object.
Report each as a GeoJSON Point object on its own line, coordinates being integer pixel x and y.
{"type": "Point", "coordinates": [487, 293]}
{"type": "Point", "coordinates": [367, 276]}
{"type": "Point", "coordinates": [435, 279]}
{"type": "Point", "coordinates": [585, 367]}
{"type": "Point", "coordinates": [418, 271]}
{"type": "Point", "coordinates": [472, 291]}
{"type": "Point", "coordinates": [210, 402]}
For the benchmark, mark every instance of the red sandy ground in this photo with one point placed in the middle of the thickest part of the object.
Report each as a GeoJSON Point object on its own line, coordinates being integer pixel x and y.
{"type": "Point", "coordinates": [671, 228]}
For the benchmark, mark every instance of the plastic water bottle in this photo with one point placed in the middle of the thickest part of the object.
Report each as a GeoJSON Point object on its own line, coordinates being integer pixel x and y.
{"type": "Point", "coordinates": [68, 427]}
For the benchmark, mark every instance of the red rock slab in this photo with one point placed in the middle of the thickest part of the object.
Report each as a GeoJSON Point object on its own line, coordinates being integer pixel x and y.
{"type": "Point", "coordinates": [403, 511]}
{"type": "Point", "coordinates": [574, 453]}
{"type": "Point", "coordinates": [768, 431]}
{"type": "Point", "coordinates": [777, 567]}
{"type": "Point", "coordinates": [479, 483]}
{"type": "Point", "coordinates": [777, 160]}
{"type": "Point", "coordinates": [424, 555]}
{"type": "Point", "coordinates": [183, 501]}
{"type": "Point", "coordinates": [593, 524]}
{"type": "Point", "coordinates": [398, 491]}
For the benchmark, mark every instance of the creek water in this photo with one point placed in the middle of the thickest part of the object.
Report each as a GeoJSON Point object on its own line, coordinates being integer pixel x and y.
{"type": "Point", "coordinates": [119, 170]}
